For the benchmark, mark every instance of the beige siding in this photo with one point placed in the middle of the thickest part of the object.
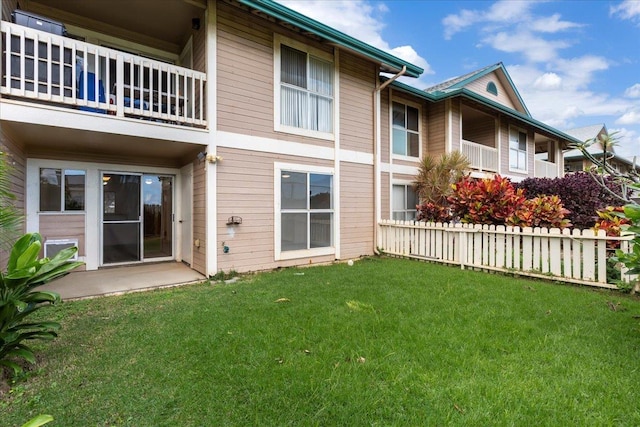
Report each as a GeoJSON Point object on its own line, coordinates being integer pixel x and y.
{"type": "Point", "coordinates": [456, 124]}
{"type": "Point", "coordinates": [356, 210]}
{"type": "Point", "coordinates": [245, 75]}
{"type": "Point", "coordinates": [437, 129]}
{"type": "Point", "coordinates": [245, 189]}
{"type": "Point", "coordinates": [385, 196]}
{"type": "Point", "coordinates": [199, 216]}
{"type": "Point", "coordinates": [357, 81]}
{"type": "Point", "coordinates": [480, 86]}
{"type": "Point", "coordinates": [480, 131]}
{"type": "Point", "coordinates": [17, 163]}
{"type": "Point", "coordinates": [385, 126]}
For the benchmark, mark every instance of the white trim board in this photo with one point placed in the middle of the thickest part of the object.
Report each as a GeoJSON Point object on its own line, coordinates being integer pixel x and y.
{"type": "Point", "coordinates": [275, 146]}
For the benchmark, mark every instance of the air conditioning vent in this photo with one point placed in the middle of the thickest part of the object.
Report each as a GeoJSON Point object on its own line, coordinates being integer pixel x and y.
{"type": "Point", "coordinates": [52, 247]}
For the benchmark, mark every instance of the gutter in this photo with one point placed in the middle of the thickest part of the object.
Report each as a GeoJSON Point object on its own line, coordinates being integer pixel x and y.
{"type": "Point", "coordinates": [377, 214]}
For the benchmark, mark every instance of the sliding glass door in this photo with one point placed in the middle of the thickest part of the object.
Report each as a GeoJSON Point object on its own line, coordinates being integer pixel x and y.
{"type": "Point", "coordinates": [137, 217]}
{"type": "Point", "coordinates": [121, 218]}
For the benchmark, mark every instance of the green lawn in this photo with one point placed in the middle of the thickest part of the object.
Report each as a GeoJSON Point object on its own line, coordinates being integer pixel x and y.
{"type": "Point", "coordinates": [385, 342]}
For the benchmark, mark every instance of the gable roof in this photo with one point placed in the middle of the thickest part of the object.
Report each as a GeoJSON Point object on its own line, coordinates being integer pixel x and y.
{"type": "Point", "coordinates": [466, 93]}
{"type": "Point", "coordinates": [284, 15]}
{"type": "Point", "coordinates": [460, 82]}
{"type": "Point", "coordinates": [587, 132]}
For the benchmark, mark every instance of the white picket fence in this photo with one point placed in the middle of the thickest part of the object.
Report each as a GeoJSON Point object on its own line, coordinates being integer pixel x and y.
{"type": "Point", "coordinates": [575, 256]}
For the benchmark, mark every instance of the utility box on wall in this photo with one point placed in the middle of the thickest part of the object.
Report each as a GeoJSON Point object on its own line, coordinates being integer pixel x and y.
{"type": "Point", "coordinates": [38, 22]}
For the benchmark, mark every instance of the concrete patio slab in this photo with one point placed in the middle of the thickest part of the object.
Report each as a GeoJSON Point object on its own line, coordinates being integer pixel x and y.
{"type": "Point", "coordinates": [120, 280]}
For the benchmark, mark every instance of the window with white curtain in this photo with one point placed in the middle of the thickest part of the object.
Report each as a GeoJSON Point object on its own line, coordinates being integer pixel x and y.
{"type": "Point", "coordinates": [517, 150]}
{"type": "Point", "coordinates": [306, 90]}
{"type": "Point", "coordinates": [403, 202]}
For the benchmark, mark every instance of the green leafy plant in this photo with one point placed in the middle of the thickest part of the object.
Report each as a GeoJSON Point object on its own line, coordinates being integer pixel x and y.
{"type": "Point", "coordinates": [10, 218]}
{"type": "Point", "coordinates": [38, 421]}
{"type": "Point", "coordinates": [18, 299]}
{"type": "Point", "coordinates": [436, 175]}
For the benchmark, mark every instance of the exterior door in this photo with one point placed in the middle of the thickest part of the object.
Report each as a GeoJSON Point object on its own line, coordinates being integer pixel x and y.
{"type": "Point", "coordinates": [137, 217]}
{"type": "Point", "coordinates": [157, 196]}
{"type": "Point", "coordinates": [121, 218]}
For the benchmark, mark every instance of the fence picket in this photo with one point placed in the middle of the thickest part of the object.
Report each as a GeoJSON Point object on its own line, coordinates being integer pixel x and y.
{"type": "Point", "coordinates": [588, 256]}
{"type": "Point", "coordinates": [570, 255]}
{"type": "Point", "coordinates": [555, 252]}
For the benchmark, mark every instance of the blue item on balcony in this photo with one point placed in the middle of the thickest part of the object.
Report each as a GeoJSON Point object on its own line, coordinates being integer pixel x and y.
{"type": "Point", "coordinates": [91, 92]}
{"type": "Point", "coordinates": [136, 103]}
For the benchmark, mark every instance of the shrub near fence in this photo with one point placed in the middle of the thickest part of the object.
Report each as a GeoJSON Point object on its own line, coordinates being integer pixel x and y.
{"type": "Point", "coordinates": [575, 256]}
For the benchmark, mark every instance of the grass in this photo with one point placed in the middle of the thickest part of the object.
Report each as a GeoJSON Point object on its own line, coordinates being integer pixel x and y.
{"type": "Point", "coordinates": [385, 342]}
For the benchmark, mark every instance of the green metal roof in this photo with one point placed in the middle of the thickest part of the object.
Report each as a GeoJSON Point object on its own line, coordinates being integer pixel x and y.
{"type": "Point", "coordinates": [460, 82]}
{"type": "Point", "coordinates": [389, 62]}
{"type": "Point", "coordinates": [466, 93]}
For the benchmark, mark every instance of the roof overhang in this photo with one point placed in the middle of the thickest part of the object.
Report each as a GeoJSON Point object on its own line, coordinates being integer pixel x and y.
{"type": "Point", "coordinates": [283, 15]}
{"type": "Point", "coordinates": [468, 94]}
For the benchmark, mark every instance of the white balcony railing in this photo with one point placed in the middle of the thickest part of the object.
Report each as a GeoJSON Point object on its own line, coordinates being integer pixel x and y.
{"type": "Point", "coordinates": [50, 68]}
{"type": "Point", "coordinates": [480, 156]}
{"type": "Point", "coordinates": [546, 169]}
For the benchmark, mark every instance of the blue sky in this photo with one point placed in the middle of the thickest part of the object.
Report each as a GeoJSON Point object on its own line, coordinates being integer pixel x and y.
{"type": "Point", "coordinates": [575, 63]}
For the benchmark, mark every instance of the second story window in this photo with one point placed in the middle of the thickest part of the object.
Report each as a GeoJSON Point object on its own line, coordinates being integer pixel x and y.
{"type": "Point", "coordinates": [306, 91]}
{"type": "Point", "coordinates": [517, 150]}
{"type": "Point", "coordinates": [406, 134]}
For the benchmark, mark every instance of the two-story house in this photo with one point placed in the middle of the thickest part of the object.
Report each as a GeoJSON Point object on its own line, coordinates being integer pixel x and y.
{"type": "Point", "coordinates": [232, 134]}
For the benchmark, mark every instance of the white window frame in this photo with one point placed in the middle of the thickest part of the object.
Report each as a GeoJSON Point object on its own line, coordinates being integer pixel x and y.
{"type": "Point", "coordinates": [63, 175]}
{"type": "Point", "coordinates": [391, 127]}
{"type": "Point", "coordinates": [526, 151]}
{"type": "Point", "coordinates": [278, 127]}
{"type": "Point", "coordinates": [302, 253]}
{"type": "Point", "coordinates": [408, 186]}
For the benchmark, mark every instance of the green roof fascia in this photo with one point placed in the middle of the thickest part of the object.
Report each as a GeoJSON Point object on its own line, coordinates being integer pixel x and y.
{"type": "Point", "coordinates": [441, 96]}
{"type": "Point", "coordinates": [294, 18]}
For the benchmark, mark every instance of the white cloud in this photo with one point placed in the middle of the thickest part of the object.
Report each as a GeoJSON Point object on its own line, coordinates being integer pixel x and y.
{"type": "Point", "coordinates": [535, 49]}
{"type": "Point", "coordinates": [628, 143]}
{"type": "Point", "coordinates": [358, 19]}
{"type": "Point", "coordinates": [629, 118]}
{"type": "Point", "coordinates": [628, 9]}
{"type": "Point", "coordinates": [548, 81]}
{"type": "Point", "coordinates": [633, 91]}
{"type": "Point", "coordinates": [552, 24]}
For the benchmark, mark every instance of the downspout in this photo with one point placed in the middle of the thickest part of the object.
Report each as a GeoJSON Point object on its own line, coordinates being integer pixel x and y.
{"type": "Point", "coordinates": [377, 215]}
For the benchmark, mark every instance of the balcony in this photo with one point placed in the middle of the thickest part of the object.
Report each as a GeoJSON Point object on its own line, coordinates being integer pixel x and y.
{"type": "Point", "coordinates": [481, 157]}
{"type": "Point", "coordinates": [544, 169]}
{"type": "Point", "coordinates": [46, 68]}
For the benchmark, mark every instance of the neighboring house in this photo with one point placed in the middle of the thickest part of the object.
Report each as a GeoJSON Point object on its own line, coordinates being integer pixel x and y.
{"type": "Point", "coordinates": [230, 134]}
{"type": "Point", "coordinates": [574, 159]}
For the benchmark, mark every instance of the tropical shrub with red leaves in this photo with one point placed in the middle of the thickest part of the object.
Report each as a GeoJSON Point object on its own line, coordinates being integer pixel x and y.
{"type": "Point", "coordinates": [485, 201]}
{"type": "Point", "coordinates": [432, 212]}
{"type": "Point", "coordinates": [541, 211]}
{"type": "Point", "coordinates": [611, 220]}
